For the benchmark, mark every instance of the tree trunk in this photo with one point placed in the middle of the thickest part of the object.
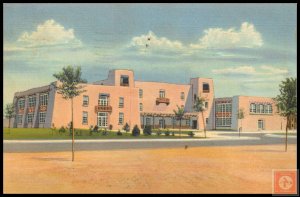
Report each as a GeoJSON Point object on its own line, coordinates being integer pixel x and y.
{"type": "Point", "coordinates": [9, 126]}
{"type": "Point", "coordinates": [72, 124]}
{"type": "Point", "coordinates": [286, 131]}
{"type": "Point", "coordinates": [180, 127]}
{"type": "Point", "coordinates": [203, 124]}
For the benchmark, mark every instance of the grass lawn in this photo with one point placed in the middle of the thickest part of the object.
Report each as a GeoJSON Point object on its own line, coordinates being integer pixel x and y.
{"type": "Point", "coordinates": [46, 133]}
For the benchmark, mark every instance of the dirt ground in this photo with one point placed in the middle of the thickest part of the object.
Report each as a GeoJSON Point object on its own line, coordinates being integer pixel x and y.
{"type": "Point", "coordinates": [238, 169]}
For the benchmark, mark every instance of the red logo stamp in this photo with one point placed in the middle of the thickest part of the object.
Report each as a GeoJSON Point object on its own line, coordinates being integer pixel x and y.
{"type": "Point", "coordinates": [285, 182]}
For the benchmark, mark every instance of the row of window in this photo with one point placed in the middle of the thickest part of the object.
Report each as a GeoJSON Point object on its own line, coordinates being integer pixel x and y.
{"type": "Point", "coordinates": [32, 101]}
{"type": "Point", "coordinates": [223, 107]}
{"type": "Point", "coordinates": [223, 122]}
{"type": "Point", "coordinates": [102, 118]}
{"type": "Point", "coordinates": [42, 118]}
{"type": "Point", "coordinates": [162, 94]}
{"type": "Point", "coordinates": [187, 121]}
{"type": "Point", "coordinates": [261, 108]}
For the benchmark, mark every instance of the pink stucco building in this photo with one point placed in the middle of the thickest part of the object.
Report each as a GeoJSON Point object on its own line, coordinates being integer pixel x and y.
{"type": "Point", "coordinates": [120, 99]}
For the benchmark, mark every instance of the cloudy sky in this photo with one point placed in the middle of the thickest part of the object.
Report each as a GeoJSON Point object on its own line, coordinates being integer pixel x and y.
{"type": "Point", "coordinates": [246, 48]}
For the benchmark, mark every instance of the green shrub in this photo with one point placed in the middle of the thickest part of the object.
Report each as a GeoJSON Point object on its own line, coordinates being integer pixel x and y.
{"type": "Point", "coordinates": [96, 128]}
{"type": "Point", "coordinates": [62, 130]}
{"type": "Point", "coordinates": [167, 132]}
{"type": "Point", "coordinates": [105, 132]}
{"type": "Point", "coordinates": [173, 133]}
{"type": "Point", "coordinates": [119, 132]}
{"type": "Point", "coordinates": [126, 127]}
{"type": "Point", "coordinates": [110, 127]}
{"type": "Point", "coordinates": [147, 130]}
{"type": "Point", "coordinates": [135, 131]}
{"type": "Point", "coordinates": [191, 134]}
{"type": "Point", "coordinates": [158, 132]}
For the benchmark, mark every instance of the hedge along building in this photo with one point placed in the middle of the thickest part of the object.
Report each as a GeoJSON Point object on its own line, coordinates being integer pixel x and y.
{"type": "Point", "coordinates": [120, 99]}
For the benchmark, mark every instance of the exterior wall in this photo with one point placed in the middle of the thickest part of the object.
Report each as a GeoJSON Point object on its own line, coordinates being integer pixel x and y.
{"type": "Point", "coordinates": [250, 122]}
{"type": "Point", "coordinates": [62, 107]}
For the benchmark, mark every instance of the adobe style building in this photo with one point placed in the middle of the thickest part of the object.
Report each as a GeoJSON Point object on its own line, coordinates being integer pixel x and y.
{"type": "Point", "coordinates": [120, 99]}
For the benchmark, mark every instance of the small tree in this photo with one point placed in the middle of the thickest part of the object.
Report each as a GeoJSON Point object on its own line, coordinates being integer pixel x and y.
{"type": "Point", "coordinates": [70, 79]}
{"type": "Point", "coordinates": [199, 106]}
{"type": "Point", "coordinates": [135, 131]}
{"type": "Point", "coordinates": [286, 102]}
{"type": "Point", "coordinates": [147, 130]}
{"type": "Point", "coordinates": [126, 127]}
{"type": "Point", "coordinates": [241, 115]}
{"type": "Point", "coordinates": [9, 113]}
{"type": "Point", "coordinates": [179, 116]}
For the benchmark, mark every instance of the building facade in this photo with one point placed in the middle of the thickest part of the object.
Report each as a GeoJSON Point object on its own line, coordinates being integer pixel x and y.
{"type": "Point", "coordinates": [120, 99]}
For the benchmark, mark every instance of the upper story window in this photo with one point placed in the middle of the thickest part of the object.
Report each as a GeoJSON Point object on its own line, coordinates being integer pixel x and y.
{"type": "Point", "coordinates": [182, 95]}
{"type": "Point", "coordinates": [21, 103]}
{"type": "Point", "coordinates": [121, 102]}
{"type": "Point", "coordinates": [31, 101]}
{"type": "Point", "coordinates": [44, 99]}
{"type": "Point", "coordinates": [228, 107]}
{"type": "Point", "coordinates": [140, 93]}
{"type": "Point", "coordinates": [162, 93]}
{"type": "Point", "coordinates": [252, 108]}
{"type": "Point", "coordinates": [205, 87]}
{"type": "Point", "coordinates": [269, 109]}
{"type": "Point", "coordinates": [85, 101]}
{"type": "Point", "coordinates": [260, 108]}
{"type": "Point", "coordinates": [103, 100]}
{"type": "Point", "coordinates": [124, 80]}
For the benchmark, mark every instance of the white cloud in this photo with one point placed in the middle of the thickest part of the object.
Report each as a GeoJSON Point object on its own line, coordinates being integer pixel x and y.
{"type": "Point", "coordinates": [50, 33]}
{"type": "Point", "coordinates": [236, 70]}
{"type": "Point", "coordinates": [154, 43]}
{"type": "Point", "coordinates": [218, 38]}
{"type": "Point", "coordinates": [250, 70]}
{"type": "Point", "coordinates": [272, 70]}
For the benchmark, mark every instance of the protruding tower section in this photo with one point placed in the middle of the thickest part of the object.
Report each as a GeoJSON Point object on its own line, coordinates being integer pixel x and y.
{"type": "Point", "coordinates": [204, 88]}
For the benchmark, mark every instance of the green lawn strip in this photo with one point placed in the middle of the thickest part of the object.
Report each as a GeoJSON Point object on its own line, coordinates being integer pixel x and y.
{"type": "Point", "coordinates": [46, 133]}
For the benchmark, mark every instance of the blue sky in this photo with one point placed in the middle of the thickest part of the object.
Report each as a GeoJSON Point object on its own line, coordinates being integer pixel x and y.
{"type": "Point", "coordinates": [246, 48]}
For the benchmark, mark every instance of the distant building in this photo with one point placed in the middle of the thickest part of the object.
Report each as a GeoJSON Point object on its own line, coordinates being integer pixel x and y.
{"type": "Point", "coordinates": [120, 99]}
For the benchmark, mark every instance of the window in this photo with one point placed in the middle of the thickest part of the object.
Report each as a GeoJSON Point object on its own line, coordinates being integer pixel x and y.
{"type": "Point", "coordinates": [84, 117]}
{"type": "Point", "coordinates": [188, 122]}
{"type": "Point", "coordinates": [19, 119]}
{"type": "Point", "coordinates": [219, 107]}
{"type": "Point", "coordinates": [182, 96]}
{"type": "Point", "coordinates": [269, 109]}
{"type": "Point", "coordinates": [42, 117]}
{"type": "Point", "coordinates": [124, 80]}
{"type": "Point", "coordinates": [174, 121]}
{"type": "Point", "coordinates": [228, 121]}
{"type": "Point", "coordinates": [205, 87]}
{"type": "Point", "coordinates": [161, 93]}
{"type": "Point", "coordinates": [206, 120]}
{"type": "Point", "coordinates": [21, 103]}
{"type": "Point", "coordinates": [261, 124]}
{"type": "Point", "coordinates": [195, 97]}
{"type": "Point", "coordinates": [121, 118]}
{"type": "Point", "coordinates": [223, 108]}
{"type": "Point", "coordinates": [148, 121]}
{"type": "Point", "coordinates": [102, 119]}
{"type": "Point", "coordinates": [31, 101]}
{"type": "Point", "coordinates": [140, 93]}
{"type": "Point", "coordinates": [44, 99]}
{"type": "Point", "coordinates": [141, 106]}
{"type": "Point", "coordinates": [85, 100]}
{"type": "Point", "coordinates": [103, 100]}
{"type": "Point", "coordinates": [29, 117]}
{"type": "Point", "coordinates": [121, 102]}
{"type": "Point", "coordinates": [252, 108]}
{"type": "Point", "coordinates": [206, 104]}
{"type": "Point", "coordinates": [228, 107]}
{"type": "Point", "coordinates": [261, 108]}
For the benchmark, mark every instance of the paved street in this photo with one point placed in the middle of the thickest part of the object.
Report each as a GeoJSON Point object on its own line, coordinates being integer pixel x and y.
{"type": "Point", "coordinates": [215, 139]}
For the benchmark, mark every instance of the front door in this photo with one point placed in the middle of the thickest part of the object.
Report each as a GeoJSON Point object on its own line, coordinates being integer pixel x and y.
{"type": "Point", "coordinates": [162, 123]}
{"type": "Point", "coordinates": [194, 126]}
{"type": "Point", "coordinates": [102, 119]}
{"type": "Point", "coordinates": [261, 125]}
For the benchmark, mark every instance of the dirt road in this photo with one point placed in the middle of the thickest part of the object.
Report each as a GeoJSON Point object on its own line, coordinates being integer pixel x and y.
{"type": "Point", "coordinates": [238, 169]}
